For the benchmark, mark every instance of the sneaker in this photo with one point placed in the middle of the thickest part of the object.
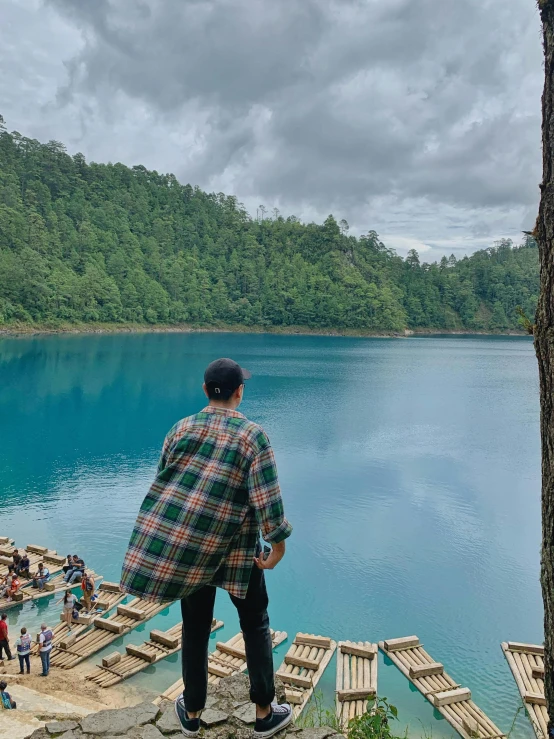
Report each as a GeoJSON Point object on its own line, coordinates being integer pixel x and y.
{"type": "Point", "coordinates": [280, 716]}
{"type": "Point", "coordinates": [189, 726]}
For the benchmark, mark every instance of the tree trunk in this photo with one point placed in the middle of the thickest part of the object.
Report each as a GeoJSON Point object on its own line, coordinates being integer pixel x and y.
{"type": "Point", "coordinates": [544, 347]}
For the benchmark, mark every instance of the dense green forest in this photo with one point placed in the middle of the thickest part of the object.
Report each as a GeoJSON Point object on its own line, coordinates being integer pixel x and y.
{"type": "Point", "coordinates": [104, 242]}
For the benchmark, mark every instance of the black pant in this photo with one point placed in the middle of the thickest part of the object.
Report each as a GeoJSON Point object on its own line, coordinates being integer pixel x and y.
{"type": "Point", "coordinates": [197, 610]}
{"type": "Point", "coordinates": [24, 659]}
{"type": "Point", "coordinates": [5, 645]}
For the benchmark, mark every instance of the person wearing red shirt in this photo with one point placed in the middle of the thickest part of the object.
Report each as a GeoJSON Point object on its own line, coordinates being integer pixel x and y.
{"type": "Point", "coordinates": [4, 642]}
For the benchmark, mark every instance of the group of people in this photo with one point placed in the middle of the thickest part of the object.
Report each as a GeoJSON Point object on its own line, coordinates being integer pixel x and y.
{"type": "Point", "coordinates": [21, 568]}
{"type": "Point", "coordinates": [23, 645]}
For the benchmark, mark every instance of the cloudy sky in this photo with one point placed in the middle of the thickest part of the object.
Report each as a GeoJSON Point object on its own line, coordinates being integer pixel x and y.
{"type": "Point", "coordinates": [417, 118]}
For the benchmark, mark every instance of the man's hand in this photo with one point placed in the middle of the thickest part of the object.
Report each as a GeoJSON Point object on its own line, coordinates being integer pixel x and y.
{"type": "Point", "coordinates": [273, 558]}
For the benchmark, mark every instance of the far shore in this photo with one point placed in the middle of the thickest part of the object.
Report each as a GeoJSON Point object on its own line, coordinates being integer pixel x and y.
{"type": "Point", "coordinates": [26, 329]}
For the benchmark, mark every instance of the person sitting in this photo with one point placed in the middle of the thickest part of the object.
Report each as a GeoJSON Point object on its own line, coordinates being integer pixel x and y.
{"type": "Point", "coordinates": [23, 646]}
{"type": "Point", "coordinates": [16, 558]}
{"type": "Point", "coordinates": [75, 574]}
{"type": "Point", "coordinates": [87, 586]}
{"type": "Point", "coordinates": [69, 565]}
{"type": "Point", "coordinates": [41, 576]}
{"type": "Point", "coordinates": [5, 583]}
{"type": "Point", "coordinates": [14, 587]}
{"type": "Point", "coordinates": [6, 700]}
{"type": "Point", "coordinates": [22, 569]}
{"type": "Point", "coordinates": [7, 588]}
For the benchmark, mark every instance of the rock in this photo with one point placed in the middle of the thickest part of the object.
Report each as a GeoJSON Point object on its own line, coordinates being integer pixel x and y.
{"type": "Point", "coordinates": [168, 723]}
{"type": "Point", "coordinates": [246, 713]}
{"type": "Point", "coordinates": [213, 717]}
{"type": "Point", "coordinates": [119, 721]}
{"type": "Point", "coordinates": [58, 727]}
{"type": "Point", "coordinates": [149, 731]}
{"type": "Point", "coordinates": [211, 701]}
{"type": "Point", "coordinates": [236, 687]}
{"type": "Point", "coordinates": [316, 732]}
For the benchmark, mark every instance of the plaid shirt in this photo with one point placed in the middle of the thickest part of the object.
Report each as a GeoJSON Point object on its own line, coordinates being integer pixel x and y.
{"type": "Point", "coordinates": [216, 487]}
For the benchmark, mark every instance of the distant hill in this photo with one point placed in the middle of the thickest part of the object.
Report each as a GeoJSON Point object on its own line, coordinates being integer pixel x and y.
{"type": "Point", "coordinates": [103, 242]}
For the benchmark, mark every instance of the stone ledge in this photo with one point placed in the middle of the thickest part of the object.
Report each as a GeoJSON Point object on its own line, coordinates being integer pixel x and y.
{"type": "Point", "coordinates": [228, 715]}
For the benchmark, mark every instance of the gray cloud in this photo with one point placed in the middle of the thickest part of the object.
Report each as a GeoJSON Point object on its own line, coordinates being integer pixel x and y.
{"type": "Point", "coordinates": [418, 118]}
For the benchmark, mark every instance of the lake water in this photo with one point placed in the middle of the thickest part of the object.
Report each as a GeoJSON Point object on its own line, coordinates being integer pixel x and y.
{"type": "Point", "coordinates": [410, 470]}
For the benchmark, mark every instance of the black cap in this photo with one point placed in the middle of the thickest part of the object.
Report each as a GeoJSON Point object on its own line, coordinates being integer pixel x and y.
{"type": "Point", "coordinates": [224, 376]}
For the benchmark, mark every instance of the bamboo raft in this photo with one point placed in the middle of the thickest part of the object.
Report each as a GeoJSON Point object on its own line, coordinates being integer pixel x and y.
{"type": "Point", "coordinates": [228, 659]}
{"type": "Point", "coordinates": [107, 599]}
{"type": "Point", "coordinates": [356, 679]}
{"type": "Point", "coordinates": [448, 697]}
{"type": "Point", "coordinates": [117, 667]}
{"type": "Point", "coordinates": [527, 665]}
{"type": "Point", "coordinates": [105, 631]}
{"type": "Point", "coordinates": [36, 554]}
{"type": "Point", "coordinates": [303, 666]}
{"type": "Point", "coordinates": [56, 584]}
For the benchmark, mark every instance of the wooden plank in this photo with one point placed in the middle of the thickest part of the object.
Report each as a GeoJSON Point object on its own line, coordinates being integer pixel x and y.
{"type": "Point", "coordinates": [36, 549]}
{"type": "Point", "coordinates": [359, 650]}
{"type": "Point", "coordinates": [5, 560]}
{"type": "Point", "coordinates": [404, 642]}
{"type": "Point", "coordinates": [426, 670]}
{"type": "Point", "coordinates": [109, 587]}
{"type": "Point", "coordinates": [308, 664]}
{"type": "Point", "coordinates": [161, 637]}
{"type": "Point", "coordinates": [68, 641]}
{"type": "Point", "coordinates": [219, 670]}
{"type": "Point", "coordinates": [140, 652]}
{"type": "Point", "coordinates": [111, 659]}
{"type": "Point", "coordinates": [471, 726]}
{"type": "Point", "coordinates": [313, 641]}
{"type": "Point", "coordinates": [137, 614]}
{"type": "Point", "coordinates": [293, 697]}
{"type": "Point", "coordinates": [5, 540]}
{"type": "Point", "coordinates": [446, 697]}
{"type": "Point", "coordinates": [537, 698]}
{"type": "Point", "coordinates": [230, 650]}
{"type": "Point", "coordinates": [538, 673]}
{"type": "Point", "coordinates": [291, 679]}
{"type": "Point", "coordinates": [53, 558]}
{"type": "Point", "coordinates": [515, 646]}
{"type": "Point", "coordinates": [355, 694]}
{"type": "Point", "coordinates": [108, 624]}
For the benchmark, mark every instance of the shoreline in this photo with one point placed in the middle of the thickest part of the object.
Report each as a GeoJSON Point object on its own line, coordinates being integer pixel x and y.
{"type": "Point", "coordinates": [24, 330]}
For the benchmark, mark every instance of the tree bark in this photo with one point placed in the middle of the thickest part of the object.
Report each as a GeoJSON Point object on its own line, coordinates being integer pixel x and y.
{"type": "Point", "coordinates": [544, 347]}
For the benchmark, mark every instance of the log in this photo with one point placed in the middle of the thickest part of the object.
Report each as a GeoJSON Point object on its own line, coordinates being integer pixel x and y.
{"type": "Point", "coordinates": [310, 640]}
{"type": "Point", "coordinates": [53, 558]}
{"type": "Point", "coordinates": [231, 651]}
{"type": "Point", "coordinates": [101, 603]}
{"type": "Point", "coordinates": [219, 670]}
{"type": "Point", "coordinates": [432, 668]}
{"type": "Point", "coordinates": [86, 620]}
{"type": "Point", "coordinates": [5, 560]}
{"type": "Point", "coordinates": [109, 625]}
{"type": "Point", "coordinates": [471, 726]}
{"type": "Point", "coordinates": [516, 646]}
{"type": "Point", "coordinates": [109, 587]}
{"type": "Point", "coordinates": [111, 659]}
{"type": "Point", "coordinates": [160, 637]}
{"type": "Point", "coordinates": [137, 614]}
{"type": "Point", "coordinates": [404, 642]}
{"type": "Point", "coordinates": [141, 653]}
{"type": "Point", "coordinates": [300, 680]}
{"type": "Point", "coordinates": [538, 673]}
{"type": "Point", "coordinates": [537, 698]}
{"type": "Point", "coordinates": [308, 664]}
{"type": "Point", "coordinates": [359, 650]}
{"type": "Point", "coordinates": [447, 697]}
{"type": "Point", "coordinates": [355, 694]}
{"type": "Point", "coordinates": [293, 697]}
{"type": "Point", "coordinates": [18, 597]}
{"type": "Point", "coordinates": [36, 549]}
{"type": "Point", "coordinates": [68, 641]}
{"type": "Point", "coordinates": [5, 540]}
{"type": "Point", "coordinates": [49, 586]}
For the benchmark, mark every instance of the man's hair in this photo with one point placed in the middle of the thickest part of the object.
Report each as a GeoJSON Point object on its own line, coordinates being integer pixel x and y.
{"type": "Point", "coordinates": [4, 616]}
{"type": "Point", "coordinates": [3, 685]}
{"type": "Point", "coordinates": [223, 394]}
{"type": "Point", "coordinates": [23, 630]}
{"type": "Point", "coordinates": [43, 626]}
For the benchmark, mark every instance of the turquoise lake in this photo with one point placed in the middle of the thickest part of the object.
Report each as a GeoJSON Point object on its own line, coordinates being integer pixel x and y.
{"type": "Point", "coordinates": [410, 470]}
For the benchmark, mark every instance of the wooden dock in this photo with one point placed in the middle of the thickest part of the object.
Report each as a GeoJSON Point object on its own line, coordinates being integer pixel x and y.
{"type": "Point", "coordinates": [117, 667]}
{"type": "Point", "coordinates": [303, 666]}
{"type": "Point", "coordinates": [105, 631]}
{"type": "Point", "coordinates": [448, 697]}
{"type": "Point", "coordinates": [356, 679]}
{"type": "Point", "coordinates": [228, 659]}
{"type": "Point", "coordinates": [526, 662]}
{"type": "Point", "coordinates": [108, 597]}
{"type": "Point", "coordinates": [36, 554]}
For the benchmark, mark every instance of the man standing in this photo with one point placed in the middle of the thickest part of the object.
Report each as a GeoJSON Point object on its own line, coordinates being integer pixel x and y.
{"type": "Point", "coordinates": [4, 641]}
{"type": "Point", "coordinates": [199, 528]}
{"type": "Point", "coordinates": [45, 647]}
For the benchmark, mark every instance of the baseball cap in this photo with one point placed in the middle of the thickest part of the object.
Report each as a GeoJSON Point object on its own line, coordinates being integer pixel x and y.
{"type": "Point", "coordinates": [224, 376]}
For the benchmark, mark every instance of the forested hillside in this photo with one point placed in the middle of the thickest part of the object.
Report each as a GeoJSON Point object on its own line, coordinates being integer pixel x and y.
{"type": "Point", "coordinates": [104, 242]}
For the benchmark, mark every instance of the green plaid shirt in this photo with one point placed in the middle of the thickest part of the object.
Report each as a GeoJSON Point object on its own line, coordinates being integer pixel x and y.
{"type": "Point", "coordinates": [200, 523]}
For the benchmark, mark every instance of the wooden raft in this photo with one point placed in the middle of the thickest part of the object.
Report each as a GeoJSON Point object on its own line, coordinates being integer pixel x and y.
{"type": "Point", "coordinates": [527, 665]}
{"type": "Point", "coordinates": [106, 599]}
{"type": "Point", "coordinates": [303, 666]}
{"type": "Point", "coordinates": [448, 697]}
{"type": "Point", "coordinates": [119, 666]}
{"type": "Point", "coordinates": [106, 630]}
{"type": "Point", "coordinates": [356, 679]}
{"type": "Point", "coordinates": [34, 558]}
{"type": "Point", "coordinates": [55, 585]}
{"type": "Point", "coordinates": [228, 658]}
